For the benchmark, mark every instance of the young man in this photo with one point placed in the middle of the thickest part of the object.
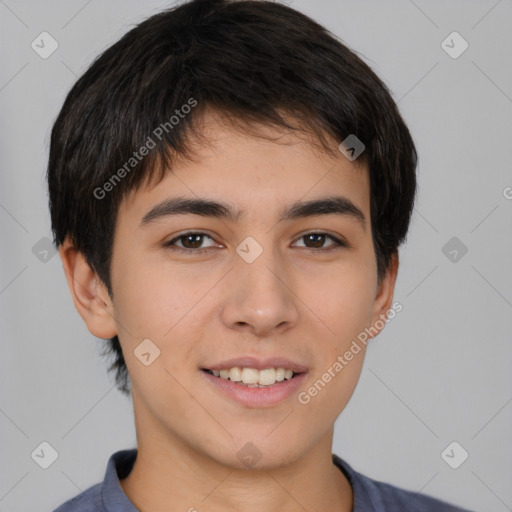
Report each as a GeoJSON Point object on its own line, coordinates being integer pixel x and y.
{"type": "Point", "coordinates": [229, 185]}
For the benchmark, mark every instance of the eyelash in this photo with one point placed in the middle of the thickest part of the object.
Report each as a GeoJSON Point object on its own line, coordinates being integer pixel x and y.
{"type": "Point", "coordinates": [170, 245]}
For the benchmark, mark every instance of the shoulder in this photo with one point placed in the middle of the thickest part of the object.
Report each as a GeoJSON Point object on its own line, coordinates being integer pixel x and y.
{"type": "Point", "coordinates": [107, 495]}
{"type": "Point", "coordinates": [389, 497]}
{"type": "Point", "coordinates": [376, 496]}
{"type": "Point", "coordinates": [87, 501]}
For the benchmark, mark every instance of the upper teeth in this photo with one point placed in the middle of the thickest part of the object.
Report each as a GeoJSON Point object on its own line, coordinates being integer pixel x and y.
{"type": "Point", "coordinates": [254, 377]}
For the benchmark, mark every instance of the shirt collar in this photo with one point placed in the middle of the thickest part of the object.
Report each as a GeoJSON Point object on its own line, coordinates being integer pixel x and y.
{"type": "Point", "coordinates": [119, 466]}
{"type": "Point", "coordinates": [121, 463]}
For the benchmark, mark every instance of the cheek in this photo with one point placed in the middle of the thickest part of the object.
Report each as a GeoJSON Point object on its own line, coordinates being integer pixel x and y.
{"type": "Point", "coordinates": [345, 306]}
{"type": "Point", "coordinates": [152, 299]}
{"type": "Point", "coordinates": [166, 308]}
{"type": "Point", "coordinates": [344, 302]}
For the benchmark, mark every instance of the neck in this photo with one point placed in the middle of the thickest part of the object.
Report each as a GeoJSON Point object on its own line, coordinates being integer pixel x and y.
{"type": "Point", "coordinates": [176, 476]}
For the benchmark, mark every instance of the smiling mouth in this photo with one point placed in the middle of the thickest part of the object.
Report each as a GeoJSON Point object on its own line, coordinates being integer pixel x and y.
{"type": "Point", "coordinates": [253, 378]}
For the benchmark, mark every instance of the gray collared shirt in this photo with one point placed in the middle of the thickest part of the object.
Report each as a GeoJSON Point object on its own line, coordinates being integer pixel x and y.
{"type": "Point", "coordinates": [369, 495]}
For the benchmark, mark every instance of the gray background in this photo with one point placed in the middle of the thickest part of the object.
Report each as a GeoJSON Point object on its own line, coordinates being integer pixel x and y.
{"type": "Point", "coordinates": [439, 372]}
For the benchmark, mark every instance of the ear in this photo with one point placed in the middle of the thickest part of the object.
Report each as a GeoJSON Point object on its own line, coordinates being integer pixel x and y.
{"type": "Point", "coordinates": [89, 294]}
{"type": "Point", "coordinates": [384, 297]}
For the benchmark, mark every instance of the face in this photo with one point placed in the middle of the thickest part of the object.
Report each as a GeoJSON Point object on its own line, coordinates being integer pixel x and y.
{"type": "Point", "coordinates": [264, 282]}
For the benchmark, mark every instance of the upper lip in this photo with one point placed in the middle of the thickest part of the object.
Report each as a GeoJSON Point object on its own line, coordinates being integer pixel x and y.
{"type": "Point", "coordinates": [258, 364]}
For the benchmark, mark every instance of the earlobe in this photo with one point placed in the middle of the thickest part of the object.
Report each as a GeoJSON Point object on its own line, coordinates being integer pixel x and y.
{"type": "Point", "coordinates": [89, 294]}
{"type": "Point", "coordinates": [384, 296]}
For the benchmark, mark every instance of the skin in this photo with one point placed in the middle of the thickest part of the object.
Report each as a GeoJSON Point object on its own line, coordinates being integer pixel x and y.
{"type": "Point", "coordinates": [295, 300]}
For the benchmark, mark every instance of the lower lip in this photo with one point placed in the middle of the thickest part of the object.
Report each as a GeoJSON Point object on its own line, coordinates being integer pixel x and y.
{"type": "Point", "coordinates": [257, 397]}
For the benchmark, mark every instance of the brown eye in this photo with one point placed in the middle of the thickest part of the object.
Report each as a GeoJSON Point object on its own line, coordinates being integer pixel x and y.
{"type": "Point", "coordinates": [189, 242]}
{"type": "Point", "coordinates": [193, 241]}
{"type": "Point", "coordinates": [317, 241]}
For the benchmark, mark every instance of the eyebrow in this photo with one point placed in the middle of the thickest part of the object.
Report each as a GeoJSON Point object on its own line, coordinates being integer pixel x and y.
{"type": "Point", "coordinates": [338, 205]}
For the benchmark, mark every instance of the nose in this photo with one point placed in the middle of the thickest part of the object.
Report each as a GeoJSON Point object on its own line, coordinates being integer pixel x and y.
{"type": "Point", "coordinates": [260, 297]}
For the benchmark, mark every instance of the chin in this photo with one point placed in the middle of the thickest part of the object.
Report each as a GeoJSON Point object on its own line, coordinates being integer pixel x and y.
{"type": "Point", "coordinates": [257, 453]}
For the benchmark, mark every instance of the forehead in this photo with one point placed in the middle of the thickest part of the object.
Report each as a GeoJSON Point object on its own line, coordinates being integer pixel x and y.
{"type": "Point", "coordinates": [255, 165]}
